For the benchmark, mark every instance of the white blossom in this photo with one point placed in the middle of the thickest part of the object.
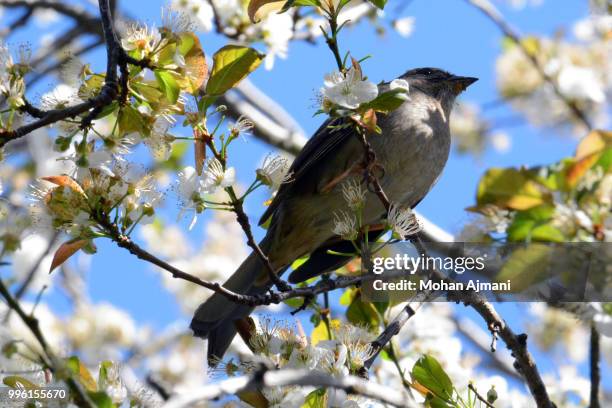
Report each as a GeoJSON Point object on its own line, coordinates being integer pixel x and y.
{"type": "Point", "coordinates": [158, 141]}
{"type": "Point", "coordinates": [200, 13]}
{"type": "Point", "coordinates": [404, 26]}
{"type": "Point", "coordinates": [501, 142]}
{"type": "Point", "coordinates": [348, 91]}
{"type": "Point", "coordinates": [215, 176]}
{"type": "Point", "coordinates": [400, 84]}
{"type": "Point", "coordinates": [354, 194]}
{"type": "Point", "coordinates": [580, 83]}
{"type": "Point", "coordinates": [274, 171]}
{"type": "Point", "coordinates": [142, 38]}
{"type": "Point", "coordinates": [13, 91]}
{"type": "Point", "coordinates": [62, 96]}
{"type": "Point", "coordinates": [189, 189]}
{"type": "Point", "coordinates": [345, 225]}
{"type": "Point", "coordinates": [277, 31]}
{"type": "Point", "coordinates": [402, 221]}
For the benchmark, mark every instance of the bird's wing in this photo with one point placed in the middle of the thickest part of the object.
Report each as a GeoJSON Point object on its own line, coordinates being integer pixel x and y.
{"type": "Point", "coordinates": [316, 150]}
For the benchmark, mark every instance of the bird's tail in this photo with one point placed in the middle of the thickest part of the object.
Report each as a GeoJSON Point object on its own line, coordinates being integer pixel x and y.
{"type": "Point", "coordinates": [215, 318]}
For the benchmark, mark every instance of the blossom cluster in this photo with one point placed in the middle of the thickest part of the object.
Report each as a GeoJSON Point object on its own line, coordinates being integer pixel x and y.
{"type": "Point", "coordinates": [12, 84]}
{"type": "Point", "coordinates": [580, 71]}
{"type": "Point", "coordinates": [281, 346]}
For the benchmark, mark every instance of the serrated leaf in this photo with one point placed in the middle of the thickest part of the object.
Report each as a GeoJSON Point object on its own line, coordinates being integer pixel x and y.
{"type": "Point", "coordinates": [347, 297]}
{"type": "Point", "coordinates": [428, 372]}
{"type": "Point", "coordinates": [65, 251]}
{"type": "Point", "coordinates": [589, 151]}
{"type": "Point", "coordinates": [195, 61]}
{"type": "Point", "coordinates": [130, 120]}
{"type": "Point", "coordinates": [387, 101]}
{"type": "Point", "coordinates": [82, 374]}
{"type": "Point", "coordinates": [168, 85]}
{"type": "Point", "coordinates": [510, 188]}
{"type": "Point", "coordinates": [526, 266]}
{"type": "Point", "coordinates": [525, 222]}
{"type": "Point", "coordinates": [594, 142]}
{"type": "Point", "coordinates": [231, 64]}
{"type": "Point", "coordinates": [362, 313]}
{"type": "Point", "coordinates": [146, 91]}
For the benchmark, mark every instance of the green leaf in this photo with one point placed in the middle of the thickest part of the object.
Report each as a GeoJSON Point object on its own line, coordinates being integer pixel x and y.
{"type": "Point", "coordinates": [319, 333]}
{"type": "Point", "coordinates": [231, 64]}
{"type": "Point", "coordinates": [547, 233]}
{"type": "Point", "coordinates": [186, 42]}
{"type": "Point", "coordinates": [316, 399]}
{"type": "Point", "coordinates": [428, 372]}
{"type": "Point", "coordinates": [15, 381]}
{"type": "Point", "coordinates": [299, 262]}
{"type": "Point", "coordinates": [381, 306]}
{"type": "Point", "coordinates": [81, 373]}
{"type": "Point", "coordinates": [347, 297]}
{"type": "Point", "coordinates": [387, 101]}
{"type": "Point", "coordinates": [510, 188]}
{"type": "Point", "coordinates": [168, 85]}
{"type": "Point", "coordinates": [362, 313]}
{"type": "Point", "coordinates": [103, 371]}
{"type": "Point", "coordinates": [299, 3]}
{"type": "Point", "coordinates": [534, 225]}
{"type": "Point", "coordinates": [130, 120]}
{"type": "Point", "coordinates": [101, 399]}
{"type": "Point", "coordinates": [145, 92]}
{"type": "Point", "coordinates": [526, 266]}
{"type": "Point", "coordinates": [294, 302]}
{"type": "Point", "coordinates": [379, 3]}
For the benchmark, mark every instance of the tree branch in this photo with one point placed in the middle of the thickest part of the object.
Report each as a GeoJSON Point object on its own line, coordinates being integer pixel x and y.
{"type": "Point", "coordinates": [281, 378]}
{"type": "Point", "coordinates": [49, 359]}
{"type": "Point", "coordinates": [495, 16]}
{"type": "Point", "coordinates": [595, 371]}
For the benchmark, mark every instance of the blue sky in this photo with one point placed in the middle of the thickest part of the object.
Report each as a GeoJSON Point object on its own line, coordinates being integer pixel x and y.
{"type": "Point", "coordinates": [449, 34]}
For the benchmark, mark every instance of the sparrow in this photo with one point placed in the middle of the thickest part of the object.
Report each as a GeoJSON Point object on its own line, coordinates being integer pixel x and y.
{"type": "Point", "coordinates": [411, 150]}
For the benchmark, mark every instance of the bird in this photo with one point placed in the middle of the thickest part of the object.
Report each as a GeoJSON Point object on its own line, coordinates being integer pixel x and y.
{"type": "Point", "coordinates": [412, 150]}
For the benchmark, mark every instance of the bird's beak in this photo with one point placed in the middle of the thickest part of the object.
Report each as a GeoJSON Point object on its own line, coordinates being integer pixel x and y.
{"type": "Point", "coordinates": [461, 83]}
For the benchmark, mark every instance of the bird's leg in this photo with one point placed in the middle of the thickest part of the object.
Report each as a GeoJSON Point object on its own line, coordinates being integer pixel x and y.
{"type": "Point", "coordinates": [356, 168]}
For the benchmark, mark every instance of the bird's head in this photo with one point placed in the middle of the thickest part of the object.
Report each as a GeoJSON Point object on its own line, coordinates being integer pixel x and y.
{"type": "Point", "coordinates": [438, 83]}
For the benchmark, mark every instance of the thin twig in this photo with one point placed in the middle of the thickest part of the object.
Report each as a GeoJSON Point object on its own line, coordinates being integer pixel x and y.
{"type": "Point", "coordinates": [495, 16]}
{"type": "Point", "coordinates": [480, 397]}
{"type": "Point", "coordinates": [595, 370]}
{"type": "Point", "coordinates": [48, 358]}
{"type": "Point", "coordinates": [243, 220]}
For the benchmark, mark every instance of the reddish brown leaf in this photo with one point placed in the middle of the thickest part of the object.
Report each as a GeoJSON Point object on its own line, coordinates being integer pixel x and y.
{"type": "Point", "coordinates": [65, 181]}
{"type": "Point", "coordinates": [195, 60]}
{"type": "Point", "coordinates": [65, 251]}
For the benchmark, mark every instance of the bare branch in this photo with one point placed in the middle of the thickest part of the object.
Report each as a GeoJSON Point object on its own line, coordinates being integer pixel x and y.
{"type": "Point", "coordinates": [78, 14]}
{"type": "Point", "coordinates": [595, 371]}
{"type": "Point", "coordinates": [49, 359]}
